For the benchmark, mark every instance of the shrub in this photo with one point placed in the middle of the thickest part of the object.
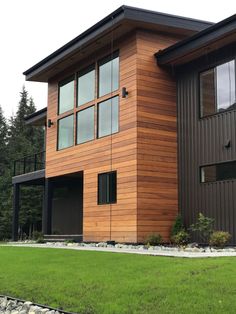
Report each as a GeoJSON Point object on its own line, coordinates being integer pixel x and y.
{"type": "Point", "coordinates": [154, 239]}
{"type": "Point", "coordinates": [180, 238]}
{"type": "Point", "coordinates": [204, 226]}
{"type": "Point", "coordinates": [40, 240]}
{"type": "Point", "coordinates": [177, 226]}
{"type": "Point", "coordinates": [219, 239]}
{"type": "Point", "coordinates": [37, 235]}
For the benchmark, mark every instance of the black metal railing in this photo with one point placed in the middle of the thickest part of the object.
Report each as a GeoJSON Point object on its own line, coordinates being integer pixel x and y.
{"type": "Point", "coordinates": [29, 164]}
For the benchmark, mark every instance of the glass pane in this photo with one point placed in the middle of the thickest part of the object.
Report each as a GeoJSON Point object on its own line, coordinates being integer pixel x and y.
{"type": "Point", "coordinates": [225, 86]}
{"type": "Point", "coordinates": [108, 76]}
{"type": "Point", "coordinates": [224, 171]}
{"type": "Point", "coordinates": [66, 97]}
{"type": "Point", "coordinates": [85, 125]}
{"type": "Point", "coordinates": [108, 117]}
{"type": "Point", "coordinates": [66, 132]}
{"type": "Point", "coordinates": [207, 93]}
{"type": "Point", "coordinates": [86, 87]}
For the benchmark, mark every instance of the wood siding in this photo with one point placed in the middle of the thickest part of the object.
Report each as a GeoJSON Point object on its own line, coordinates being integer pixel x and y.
{"type": "Point", "coordinates": [116, 152]}
{"type": "Point", "coordinates": [157, 139]}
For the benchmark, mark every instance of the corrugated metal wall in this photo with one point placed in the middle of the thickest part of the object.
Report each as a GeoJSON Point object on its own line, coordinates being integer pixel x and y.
{"type": "Point", "coordinates": [201, 141]}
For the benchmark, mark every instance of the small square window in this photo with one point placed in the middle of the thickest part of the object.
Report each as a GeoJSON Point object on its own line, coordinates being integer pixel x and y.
{"type": "Point", "coordinates": [107, 188]}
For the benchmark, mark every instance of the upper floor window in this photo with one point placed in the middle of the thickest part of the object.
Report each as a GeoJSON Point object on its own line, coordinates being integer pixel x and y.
{"type": "Point", "coordinates": [108, 116]}
{"type": "Point", "coordinates": [86, 86]}
{"type": "Point", "coordinates": [66, 132]}
{"type": "Point", "coordinates": [108, 75]}
{"type": "Point", "coordinates": [66, 96]}
{"type": "Point", "coordinates": [217, 89]}
{"type": "Point", "coordinates": [85, 125]}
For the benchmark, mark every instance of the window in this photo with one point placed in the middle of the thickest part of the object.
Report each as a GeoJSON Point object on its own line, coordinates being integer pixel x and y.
{"type": "Point", "coordinates": [217, 89]}
{"type": "Point", "coordinates": [65, 132]}
{"type": "Point", "coordinates": [108, 117]}
{"type": "Point", "coordinates": [85, 125]}
{"type": "Point", "coordinates": [66, 96]}
{"type": "Point", "coordinates": [218, 172]}
{"type": "Point", "coordinates": [108, 75]}
{"type": "Point", "coordinates": [107, 188]}
{"type": "Point", "coordinates": [86, 86]}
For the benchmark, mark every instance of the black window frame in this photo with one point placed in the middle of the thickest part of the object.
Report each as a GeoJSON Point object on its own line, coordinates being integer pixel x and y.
{"type": "Point", "coordinates": [60, 84]}
{"type": "Point", "coordinates": [76, 126]}
{"type": "Point", "coordinates": [58, 122]}
{"type": "Point", "coordinates": [213, 67]}
{"type": "Point", "coordinates": [215, 164]}
{"type": "Point", "coordinates": [109, 195]}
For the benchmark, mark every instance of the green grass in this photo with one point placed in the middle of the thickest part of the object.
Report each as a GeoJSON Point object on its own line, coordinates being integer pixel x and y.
{"type": "Point", "coordinates": [98, 282]}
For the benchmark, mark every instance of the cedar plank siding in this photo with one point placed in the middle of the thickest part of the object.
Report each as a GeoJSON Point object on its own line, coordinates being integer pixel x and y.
{"type": "Point", "coordinates": [157, 139]}
{"type": "Point", "coordinates": [115, 152]}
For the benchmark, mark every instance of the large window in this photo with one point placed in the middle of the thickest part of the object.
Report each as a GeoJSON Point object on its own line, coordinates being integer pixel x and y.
{"type": "Point", "coordinates": [86, 86]}
{"type": "Point", "coordinates": [217, 89]}
{"type": "Point", "coordinates": [66, 132]}
{"type": "Point", "coordinates": [108, 117]}
{"type": "Point", "coordinates": [66, 96]}
{"type": "Point", "coordinates": [218, 172]}
{"type": "Point", "coordinates": [85, 125]}
{"type": "Point", "coordinates": [108, 75]}
{"type": "Point", "coordinates": [107, 188]}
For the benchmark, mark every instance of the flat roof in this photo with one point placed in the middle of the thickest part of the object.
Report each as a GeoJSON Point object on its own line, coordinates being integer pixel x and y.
{"type": "Point", "coordinates": [37, 118]}
{"type": "Point", "coordinates": [213, 37]}
{"type": "Point", "coordinates": [125, 17]}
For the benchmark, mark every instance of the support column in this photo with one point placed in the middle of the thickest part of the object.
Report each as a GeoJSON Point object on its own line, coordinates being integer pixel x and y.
{"type": "Point", "coordinates": [47, 207]}
{"type": "Point", "coordinates": [16, 208]}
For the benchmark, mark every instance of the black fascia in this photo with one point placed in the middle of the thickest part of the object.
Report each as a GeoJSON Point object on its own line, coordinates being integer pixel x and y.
{"type": "Point", "coordinates": [37, 115]}
{"type": "Point", "coordinates": [196, 41]}
{"type": "Point", "coordinates": [123, 12]}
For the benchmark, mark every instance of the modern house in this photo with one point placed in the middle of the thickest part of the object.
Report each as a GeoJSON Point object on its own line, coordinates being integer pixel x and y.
{"type": "Point", "coordinates": [140, 125]}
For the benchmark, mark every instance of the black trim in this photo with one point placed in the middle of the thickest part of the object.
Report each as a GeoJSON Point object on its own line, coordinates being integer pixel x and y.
{"type": "Point", "coordinates": [203, 38]}
{"type": "Point", "coordinates": [36, 116]}
{"type": "Point", "coordinates": [107, 188]}
{"type": "Point", "coordinates": [216, 164]}
{"type": "Point", "coordinates": [37, 176]}
{"type": "Point", "coordinates": [123, 13]}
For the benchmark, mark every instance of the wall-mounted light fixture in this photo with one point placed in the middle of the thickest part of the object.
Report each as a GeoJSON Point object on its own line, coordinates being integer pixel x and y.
{"type": "Point", "coordinates": [227, 144]}
{"type": "Point", "coordinates": [124, 92]}
{"type": "Point", "coordinates": [50, 123]}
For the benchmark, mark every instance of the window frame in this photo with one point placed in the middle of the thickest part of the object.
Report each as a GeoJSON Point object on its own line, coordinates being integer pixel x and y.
{"type": "Point", "coordinates": [213, 67]}
{"type": "Point", "coordinates": [80, 73]}
{"type": "Point", "coordinates": [107, 202]}
{"type": "Point", "coordinates": [60, 84]}
{"type": "Point", "coordinates": [215, 164]}
{"type": "Point", "coordinates": [76, 125]}
{"type": "Point", "coordinates": [58, 124]}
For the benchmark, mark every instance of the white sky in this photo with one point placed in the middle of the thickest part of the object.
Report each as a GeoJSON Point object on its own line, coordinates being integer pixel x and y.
{"type": "Point", "coordinates": [32, 29]}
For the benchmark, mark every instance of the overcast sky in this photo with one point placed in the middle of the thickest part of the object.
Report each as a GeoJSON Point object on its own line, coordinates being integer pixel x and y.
{"type": "Point", "coordinates": [32, 29]}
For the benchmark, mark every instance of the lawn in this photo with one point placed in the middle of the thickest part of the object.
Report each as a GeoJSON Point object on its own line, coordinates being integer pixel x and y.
{"type": "Point", "coordinates": [98, 282]}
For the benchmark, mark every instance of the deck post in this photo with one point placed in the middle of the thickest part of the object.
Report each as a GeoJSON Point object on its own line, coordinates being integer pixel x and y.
{"type": "Point", "coordinates": [47, 207]}
{"type": "Point", "coordinates": [16, 208]}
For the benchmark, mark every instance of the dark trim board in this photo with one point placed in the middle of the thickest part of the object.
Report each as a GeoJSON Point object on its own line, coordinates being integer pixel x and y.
{"type": "Point", "coordinates": [37, 118]}
{"type": "Point", "coordinates": [32, 178]}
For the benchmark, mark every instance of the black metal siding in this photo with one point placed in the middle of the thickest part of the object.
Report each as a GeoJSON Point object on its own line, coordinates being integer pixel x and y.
{"type": "Point", "coordinates": [201, 142]}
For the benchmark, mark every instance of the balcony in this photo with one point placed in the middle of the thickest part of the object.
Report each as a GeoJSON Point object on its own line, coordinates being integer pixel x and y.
{"type": "Point", "coordinates": [29, 164]}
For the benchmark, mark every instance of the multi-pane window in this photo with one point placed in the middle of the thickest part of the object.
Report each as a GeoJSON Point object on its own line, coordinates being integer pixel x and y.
{"type": "Point", "coordinates": [86, 86]}
{"type": "Point", "coordinates": [217, 89]}
{"type": "Point", "coordinates": [85, 125]}
{"type": "Point", "coordinates": [97, 103]}
{"type": "Point", "coordinates": [108, 117]}
{"type": "Point", "coordinates": [218, 172]}
{"type": "Point", "coordinates": [66, 132]}
{"type": "Point", "coordinates": [108, 75]}
{"type": "Point", "coordinates": [107, 187]}
{"type": "Point", "coordinates": [66, 96]}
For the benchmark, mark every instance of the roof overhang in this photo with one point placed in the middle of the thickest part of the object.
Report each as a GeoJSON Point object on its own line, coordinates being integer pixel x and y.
{"type": "Point", "coordinates": [215, 37]}
{"type": "Point", "coordinates": [121, 21]}
{"type": "Point", "coordinates": [37, 118]}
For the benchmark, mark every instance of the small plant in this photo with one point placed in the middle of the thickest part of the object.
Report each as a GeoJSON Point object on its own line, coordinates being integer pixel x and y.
{"type": "Point", "coordinates": [40, 240]}
{"type": "Point", "coordinates": [219, 239]}
{"type": "Point", "coordinates": [154, 239]}
{"type": "Point", "coordinates": [37, 235]}
{"type": "Point", "coordinates": [204, 226]}
{"type": "Point", "coordinates": [177, 226]}
{"type": "Point", "coordinates": [180, 238]}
